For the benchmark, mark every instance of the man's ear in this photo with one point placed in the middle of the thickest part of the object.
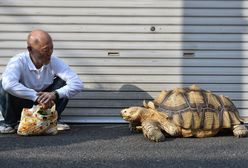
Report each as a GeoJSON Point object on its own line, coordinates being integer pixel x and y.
{"type": "Point", "coordinates": [29, 48]}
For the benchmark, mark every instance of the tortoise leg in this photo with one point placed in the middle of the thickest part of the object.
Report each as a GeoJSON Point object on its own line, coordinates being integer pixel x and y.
{"type": "Point", "coordinates": [134, 127]}
{"type": "Point", "coordinates": [240, 131]}
{"type": "Point", "coordinates": [152, 131]}
{"type": "Point", "coordinates": [170, 128]}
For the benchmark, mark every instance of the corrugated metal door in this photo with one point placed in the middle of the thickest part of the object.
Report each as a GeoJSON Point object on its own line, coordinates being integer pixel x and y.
{"type": "Point", "coordinates": [127, 51]}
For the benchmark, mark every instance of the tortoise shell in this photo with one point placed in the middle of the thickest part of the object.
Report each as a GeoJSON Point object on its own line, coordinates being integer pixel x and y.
{"type": "Point", "coordinates": [195, 108]}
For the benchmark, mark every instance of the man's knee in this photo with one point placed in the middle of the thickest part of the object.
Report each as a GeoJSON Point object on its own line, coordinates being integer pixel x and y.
{"type": "Point", "coordinates": [2, 94]}
{"type": "Point", "coordinates": [1, 88]}
{"type": "Point", "coordinates": [57, 83]}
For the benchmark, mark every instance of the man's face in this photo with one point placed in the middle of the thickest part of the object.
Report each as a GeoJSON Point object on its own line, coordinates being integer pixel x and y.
{"type": "Point", "coordinates": [43, 53]}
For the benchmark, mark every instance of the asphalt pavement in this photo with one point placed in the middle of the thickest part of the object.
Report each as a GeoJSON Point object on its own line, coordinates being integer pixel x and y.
{"type": "Point", "coordinates": [113, 145]}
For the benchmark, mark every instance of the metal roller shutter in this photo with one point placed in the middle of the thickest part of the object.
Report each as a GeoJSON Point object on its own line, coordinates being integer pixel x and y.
{"type": "Point", "coordinates": [128, 51]}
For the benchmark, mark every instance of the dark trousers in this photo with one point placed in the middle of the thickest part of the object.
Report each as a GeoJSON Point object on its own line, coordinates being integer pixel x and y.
{"type": "Point", "coordinates": [11, 106]}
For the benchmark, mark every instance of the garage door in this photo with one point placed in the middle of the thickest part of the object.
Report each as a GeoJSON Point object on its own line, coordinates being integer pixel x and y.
{"type": "Point", "coordinates": [128, 51]}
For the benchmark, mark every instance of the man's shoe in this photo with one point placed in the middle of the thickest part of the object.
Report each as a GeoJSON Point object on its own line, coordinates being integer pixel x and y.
{"type": "Point", "coordinates": [62, 126]}
{"type": "Point", "coordinates": [7, 129]}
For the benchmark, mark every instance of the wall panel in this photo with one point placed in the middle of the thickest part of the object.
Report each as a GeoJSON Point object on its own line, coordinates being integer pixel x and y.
{"type": "Point", "coordinates": [128, 51]}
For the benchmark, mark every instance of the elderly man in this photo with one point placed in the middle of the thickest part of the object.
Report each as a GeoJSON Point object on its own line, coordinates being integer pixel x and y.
{"type": "Point", "coordinates": [36, 77]}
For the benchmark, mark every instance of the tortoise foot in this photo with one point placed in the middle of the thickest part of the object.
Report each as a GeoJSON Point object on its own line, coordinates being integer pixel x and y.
{"type": "Point", "coordinates": [135, 128]}
{"type": "Point", "coordinates": [152, 131]}
{"type": "Point", "coordinates": [240, 131]}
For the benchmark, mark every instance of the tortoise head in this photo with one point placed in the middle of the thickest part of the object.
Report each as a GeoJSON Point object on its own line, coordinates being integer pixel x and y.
{"type": "Point", "coordinates": [132, 113]}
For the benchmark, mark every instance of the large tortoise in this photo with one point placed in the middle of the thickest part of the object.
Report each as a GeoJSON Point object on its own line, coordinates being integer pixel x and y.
{"type": "Point", "coordinates": [185, 112]}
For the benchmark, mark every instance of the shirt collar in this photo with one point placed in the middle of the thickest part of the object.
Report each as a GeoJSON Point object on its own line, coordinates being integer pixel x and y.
{"type": "Point", "coordinates": [30, 63]}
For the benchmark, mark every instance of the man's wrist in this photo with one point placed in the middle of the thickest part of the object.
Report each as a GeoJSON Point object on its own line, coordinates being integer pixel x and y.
{"type": "Point", "coordinates": [36, 100]}
{"type": "Point", "coordinates": [56, 94]}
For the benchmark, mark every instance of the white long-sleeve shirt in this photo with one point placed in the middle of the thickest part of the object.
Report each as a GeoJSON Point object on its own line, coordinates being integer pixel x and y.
{"type": "Point", "coordinates": [22, 79]}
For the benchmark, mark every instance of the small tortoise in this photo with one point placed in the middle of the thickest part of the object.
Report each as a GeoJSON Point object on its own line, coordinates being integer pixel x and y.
{"type": "Point", "coordinates": [186, 112]}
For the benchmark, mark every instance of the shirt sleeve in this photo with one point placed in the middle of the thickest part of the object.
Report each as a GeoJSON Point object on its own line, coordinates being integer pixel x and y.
{"type": "Point", "coordinates": [11, 78]}
{"type": "Point", "coordinates": [73, 83]}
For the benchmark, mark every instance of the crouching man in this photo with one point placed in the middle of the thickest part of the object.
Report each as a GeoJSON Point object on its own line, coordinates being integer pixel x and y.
{"type": "Point", "coordinates": [36, 77]}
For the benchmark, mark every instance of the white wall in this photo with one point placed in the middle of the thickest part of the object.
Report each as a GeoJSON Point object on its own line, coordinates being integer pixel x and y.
{"type": "Point", "coordinates": [111, 45]}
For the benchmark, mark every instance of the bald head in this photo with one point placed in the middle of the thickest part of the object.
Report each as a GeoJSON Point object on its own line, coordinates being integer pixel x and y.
{"type": "Point", "coordinates": [38, 38]}
{"type": "Point", "coordinates": [40, 47]}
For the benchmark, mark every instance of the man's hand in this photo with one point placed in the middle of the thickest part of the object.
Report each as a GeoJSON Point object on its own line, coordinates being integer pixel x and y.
{"type": "Point", "coordinates": [46, 99]}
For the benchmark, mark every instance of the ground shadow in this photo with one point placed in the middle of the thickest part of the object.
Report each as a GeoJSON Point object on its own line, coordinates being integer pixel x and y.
{"type": "Point", "coordinates": [77, 134]}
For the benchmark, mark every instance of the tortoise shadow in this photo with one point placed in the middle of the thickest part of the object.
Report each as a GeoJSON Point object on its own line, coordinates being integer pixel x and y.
{"type": "Point", "coordinates": [138, 96]}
